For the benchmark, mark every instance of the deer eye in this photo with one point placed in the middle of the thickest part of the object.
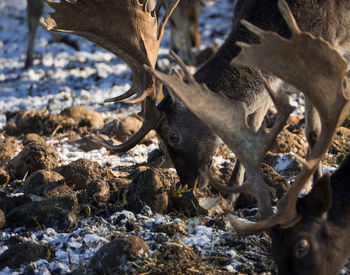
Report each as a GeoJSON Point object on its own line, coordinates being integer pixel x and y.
{"type": "Point", "coordinates": [174, 138]}
{"type": "Point", "coordinates": [301, 248]}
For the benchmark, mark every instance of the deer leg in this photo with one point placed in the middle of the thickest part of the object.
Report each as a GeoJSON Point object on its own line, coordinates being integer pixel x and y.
{"type": "Point", "coordinates": [34, 10]}
{"type": "Point", "coordinates": [312, 132]}
{"type": "Point", "coordinates": [254, 120]}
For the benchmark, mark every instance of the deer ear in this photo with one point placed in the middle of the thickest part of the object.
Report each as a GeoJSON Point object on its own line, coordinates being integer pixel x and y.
{"type": "Point", "coordinates": [319, 200]}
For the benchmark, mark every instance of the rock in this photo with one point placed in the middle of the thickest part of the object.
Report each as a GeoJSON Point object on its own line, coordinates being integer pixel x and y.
{"type": "Point", "coordinates": [19, 254]}
{"type": "Point", "coordinates": [124, 128]}
{"type": "Point", "coordinates": [150, 187]}
{"type": "Point", "coordinates": [33, 157]}
{"type": "Point", "coordinates": [112, 257]}
{"type": "Point", "coordinates": [57, 213]}
{"type": "Point", "coordinates": [32, 137]}
{"type": "Point", "coordinates": [285, 165]}
{"type": "Point", "coordinates": [84, 116]}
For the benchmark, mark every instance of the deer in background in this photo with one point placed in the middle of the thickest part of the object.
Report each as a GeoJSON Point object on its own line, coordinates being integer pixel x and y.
{"type": "Point", "coordinates": [35, 10]}
{"type": "Point", "coordinates": [184, 28]}
{"type": "Point", "coordinates": [189, 141]}
{"type": "Point", "coordinates": [310, 235]}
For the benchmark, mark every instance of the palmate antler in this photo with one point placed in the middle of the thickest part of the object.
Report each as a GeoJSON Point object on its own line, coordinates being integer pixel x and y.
{"type": "Point", "coordinates": [127, 29]}
{"type": "Point", "coordinates": [308, 63]}
{"type": "Point", "coordinates": [314, 67]}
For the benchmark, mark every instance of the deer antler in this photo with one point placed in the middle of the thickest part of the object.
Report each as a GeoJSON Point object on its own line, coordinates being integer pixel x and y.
{"type": "Point", "coordinates": [127, 29]}
{"type": "Point", "coordinates": [228, 118]}
{"type": "Point", "coordinates": [313, 66]}
{"type": "Point", "coordinates": [206, 3]}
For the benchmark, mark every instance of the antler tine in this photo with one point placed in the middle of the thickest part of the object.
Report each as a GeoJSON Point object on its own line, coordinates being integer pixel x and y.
{"type": "Point", "coordinates": [125, 95]}
{"type": "Point", "coordinates": [183, 66]}
{"type": "Point", "coordinates": [152, 120]}
{"type": "Point", "coordinates": [319, 71]}
{"type": "Point", "coordinates": [206, 4]}
{"type": "Point", "coordinates": [288, 17]}
{"type": "Point", "coordinates": [170, 5]}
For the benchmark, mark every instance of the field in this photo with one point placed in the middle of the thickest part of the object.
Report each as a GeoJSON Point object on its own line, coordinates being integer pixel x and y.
{"type": "Point", "coordinates": [65, 197]}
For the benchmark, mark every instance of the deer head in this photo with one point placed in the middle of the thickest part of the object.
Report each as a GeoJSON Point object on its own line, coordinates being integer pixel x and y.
{"type": "Point", "coordinates": [319, 243]}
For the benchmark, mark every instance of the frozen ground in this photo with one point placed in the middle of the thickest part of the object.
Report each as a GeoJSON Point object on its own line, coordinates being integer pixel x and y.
{"type": "Point", "coordinates": [62, 77]}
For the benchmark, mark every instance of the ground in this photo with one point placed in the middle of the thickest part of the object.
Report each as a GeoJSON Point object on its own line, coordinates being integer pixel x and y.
{"type": "Point", "coordinates": [65, 197]}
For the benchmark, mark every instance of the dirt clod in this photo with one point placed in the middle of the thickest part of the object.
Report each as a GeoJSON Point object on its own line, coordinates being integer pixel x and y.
{"type": "Point", "coordinates": [113, 257]}
{"type": "Point", "coordinates": [19, 254]}
{"type": "Point", "coordinates": [33, 157]}
{"type": "Point", "coordinates": [150, 187]}
{"type": "Point", "coordinates": [78, 174]}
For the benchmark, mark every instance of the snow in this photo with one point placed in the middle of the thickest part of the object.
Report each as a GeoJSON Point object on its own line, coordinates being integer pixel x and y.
{"type": "Point", "coordinates": [62, 77]}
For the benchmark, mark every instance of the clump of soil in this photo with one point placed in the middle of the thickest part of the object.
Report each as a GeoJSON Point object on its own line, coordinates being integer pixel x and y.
{"type": "Point", "coordinates": [122, 129]}
{"type": "Point", "coordinates": [78, 174]}
{"type": "Point", "coordinates": [48, 184]}
{"type": "Point", "coordinates": [42, 123]}
{"type": "Point", "coordinates": [177, 258]}
{"type": "Point", "coordinates": [83, 116]}
{"type": "Point", "coordinates": [117, 254]}
{"type": "Point", "coordinates": [18, 254]}
{"type": "Point", "coordinates": [8, 149]}
{"type": "Point", "coordinates": [33, 157]}
{"type": "Point", "coordinates": [150, 186]}
{"type": "Point", "coordinates": [56, 212]}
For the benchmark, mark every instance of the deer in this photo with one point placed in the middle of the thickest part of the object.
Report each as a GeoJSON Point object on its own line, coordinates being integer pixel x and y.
{"type": "Point", "coordinates": [35, 9]}
{"type": "Point", "coordinates": [310, 235]}
{"type": "Point", "coordinates": [189, 141]}
{"type": "Point", "coordinates": [184, 28]}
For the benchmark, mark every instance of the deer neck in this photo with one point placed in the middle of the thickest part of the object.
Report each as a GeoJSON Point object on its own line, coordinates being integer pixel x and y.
{"type": "Point", "coordinates": [241, 84]}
